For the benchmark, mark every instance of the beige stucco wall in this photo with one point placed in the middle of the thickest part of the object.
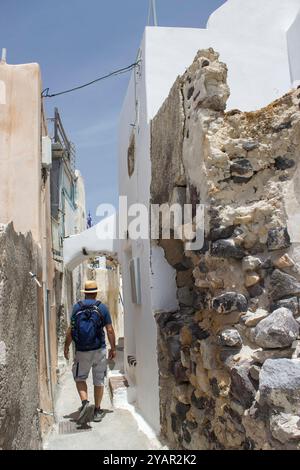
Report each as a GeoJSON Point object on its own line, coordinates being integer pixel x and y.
{"type": "Point", "coordinates": [25, 199]}
{"type": "Point", "coordinates": [20, 147]}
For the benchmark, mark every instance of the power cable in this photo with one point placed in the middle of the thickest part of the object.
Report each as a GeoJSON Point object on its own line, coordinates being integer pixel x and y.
{"type": "Point", "coordinates": [46, 94]}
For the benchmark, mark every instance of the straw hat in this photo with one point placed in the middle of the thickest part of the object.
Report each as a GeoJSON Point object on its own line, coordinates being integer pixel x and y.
{"type": "Point", "coordinates": [90, 287]}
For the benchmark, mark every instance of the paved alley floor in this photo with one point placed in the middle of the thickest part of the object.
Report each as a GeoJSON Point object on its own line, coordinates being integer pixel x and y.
{"type": "Point", "coordinates": [119, 430]}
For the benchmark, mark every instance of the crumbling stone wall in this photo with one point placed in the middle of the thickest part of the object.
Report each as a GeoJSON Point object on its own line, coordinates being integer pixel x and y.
{"type": "Point", "coordinates": [19, 325]}
{"type": "Point", "coordinates": [228, 358]}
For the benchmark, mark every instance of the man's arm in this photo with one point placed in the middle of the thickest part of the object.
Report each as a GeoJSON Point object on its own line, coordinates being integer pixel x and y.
{"type": "Point", "coordinates": [112, 341]}
{"type": "Point", "coordinates": [68, 341]}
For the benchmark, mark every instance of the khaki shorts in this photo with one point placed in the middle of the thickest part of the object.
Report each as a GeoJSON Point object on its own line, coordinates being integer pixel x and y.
{"type": "Point", "coordinates": [84, 361]}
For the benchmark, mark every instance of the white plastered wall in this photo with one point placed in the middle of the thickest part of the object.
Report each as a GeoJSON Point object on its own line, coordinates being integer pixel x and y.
{"type": "Point", "coordinates": [258, 56]}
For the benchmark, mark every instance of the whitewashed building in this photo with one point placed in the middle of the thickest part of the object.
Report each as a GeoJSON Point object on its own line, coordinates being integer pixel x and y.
{"type": "Point", "coordinates": [259, 43]}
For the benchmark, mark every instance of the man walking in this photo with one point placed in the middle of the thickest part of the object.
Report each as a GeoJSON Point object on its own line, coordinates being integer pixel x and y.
{"type": "Point", "coordinates": [89, 318]}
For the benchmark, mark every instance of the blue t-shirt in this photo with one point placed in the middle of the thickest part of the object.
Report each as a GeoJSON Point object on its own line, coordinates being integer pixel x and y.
{"type": "Point", "coordinates": [103, 309]}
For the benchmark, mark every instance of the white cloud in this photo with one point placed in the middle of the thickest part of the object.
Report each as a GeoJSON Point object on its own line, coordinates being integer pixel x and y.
{"type": "Point", "coordinates": [97, 135]}
{"type": "Point", "coordinates": [104, 126]}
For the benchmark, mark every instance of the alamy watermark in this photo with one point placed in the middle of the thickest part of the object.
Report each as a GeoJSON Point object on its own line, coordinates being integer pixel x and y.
{"type": "Point", "coordinates": [140, 221]}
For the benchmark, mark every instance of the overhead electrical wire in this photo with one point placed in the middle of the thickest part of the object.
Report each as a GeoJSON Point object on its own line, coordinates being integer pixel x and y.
{"type": "Point", "coordinates": [46, 94]}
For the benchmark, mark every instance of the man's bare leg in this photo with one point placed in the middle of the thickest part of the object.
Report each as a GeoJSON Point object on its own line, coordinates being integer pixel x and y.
{"type": "Point", "coordinates": [83, 393]}
{"type": "Point", "coordinates": [98, 394]}
{"type": "Point", "coordinates": [82, 390]}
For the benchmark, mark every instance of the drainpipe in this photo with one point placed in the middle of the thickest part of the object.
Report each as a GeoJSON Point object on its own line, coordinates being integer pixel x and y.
{"type": "Point", "coordinates": [46, 338]}
{"type": "Point", "coordinates": [46, 305]}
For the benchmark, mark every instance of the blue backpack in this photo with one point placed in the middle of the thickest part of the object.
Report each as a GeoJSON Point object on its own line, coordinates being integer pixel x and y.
{"type": "Point", "coordinates": [88, 327]}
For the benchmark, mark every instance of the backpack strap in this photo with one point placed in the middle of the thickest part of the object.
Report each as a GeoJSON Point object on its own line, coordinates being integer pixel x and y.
{"type": "Point", "coordinates": [97, 307]}
{"type": "Point", "coordinates": [87, 307]}
{"type": "Point", "coordinates": [81, 307]}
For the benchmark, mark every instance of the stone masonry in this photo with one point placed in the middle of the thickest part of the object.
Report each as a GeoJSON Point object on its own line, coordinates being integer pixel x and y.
{"type": "Point", "coordinates": [228, 358]}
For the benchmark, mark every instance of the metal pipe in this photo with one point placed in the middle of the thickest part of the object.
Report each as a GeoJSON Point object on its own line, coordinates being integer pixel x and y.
{"type": "Point", "coordinates": [154, 12]}
{"type": "Point", "coordinates": [149, 14]}
{"type": "Point", "coordinates": [34, 277]}
{"type": "Point", "coordinates": [47, 413]}
{"type": "Point", "coordinates": [3, 55]}
{"type": "Point", "coordinates": [46, 299]}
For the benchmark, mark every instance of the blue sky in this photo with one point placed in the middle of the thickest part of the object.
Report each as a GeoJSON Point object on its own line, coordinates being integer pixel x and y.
{"type": "Point", "coordinates": [75, 41]}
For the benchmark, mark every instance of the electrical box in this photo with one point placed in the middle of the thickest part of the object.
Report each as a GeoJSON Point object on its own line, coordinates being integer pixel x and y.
{"type": "Point", "coordinates": [46, 152]}
{"type": "Point", "coordinates": [135, 278]}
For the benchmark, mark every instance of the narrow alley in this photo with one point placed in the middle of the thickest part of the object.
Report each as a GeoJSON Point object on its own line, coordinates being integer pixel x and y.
{"type": "Point", "coordinates": [120, 428]}
{"type": "Point", "coordinates": [150, 226]}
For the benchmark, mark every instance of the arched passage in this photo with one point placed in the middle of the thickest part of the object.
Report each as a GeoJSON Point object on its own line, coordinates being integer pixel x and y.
{"type": "Point", "coordinates": [97, 240]}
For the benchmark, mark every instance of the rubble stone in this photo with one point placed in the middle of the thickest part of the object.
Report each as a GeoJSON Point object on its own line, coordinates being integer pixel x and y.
{"type": "Point", "coordinates": [241, 170]}
{"type": "Point", "coordinates": [229, 302]}
{"type": "Point", "coordinates": [251, 279]}
{"type": "Point", "coordinates": [291, 303]}
{"type": "Point", "coordinates": [241, 386]}
{"type": "Point", "coordinates": [221, 233]}
{"type": "Point", "coordinates": [284, 163]}
{"type": "Point", "coordinates": [284, 262]}
{"type": "Point", "coordinates": [173, 345]}
{"type": "Point", "coordinates": [278, 330]}
{"type": "Point", "coordinates": [227, 249]}
{"type": "Point", "coordinates": [279, 384]}
{"type": "Point", "coordinates": [180, 373]}
{"type": "Point", "coordinates": [285, 427]}
{"type": "Point", "coordinates": [255, 291]}
{"type": "Point", "coordinates": [208, 354]}
{"type": "Point", "coordinates": [278, 238]}
{"type": "Point", "coordinates": [230, 338]}
{"type": "Point", "coordinates": [249, 146]}
{"type": "Point", "coordinates": [260, 356]}
{"type": "Point", "coordinates": [251, 319]}
{"type": "Point", "coordinates": [185, 296]}
{"type": "Point", "coordinates": [283, 285]}
{"type": "Point", "coordinates": [251, 263]}
{"type": "Point", "coordinates": [254, 372]}
{"type": "Point", "coordinates": [181, 410]}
